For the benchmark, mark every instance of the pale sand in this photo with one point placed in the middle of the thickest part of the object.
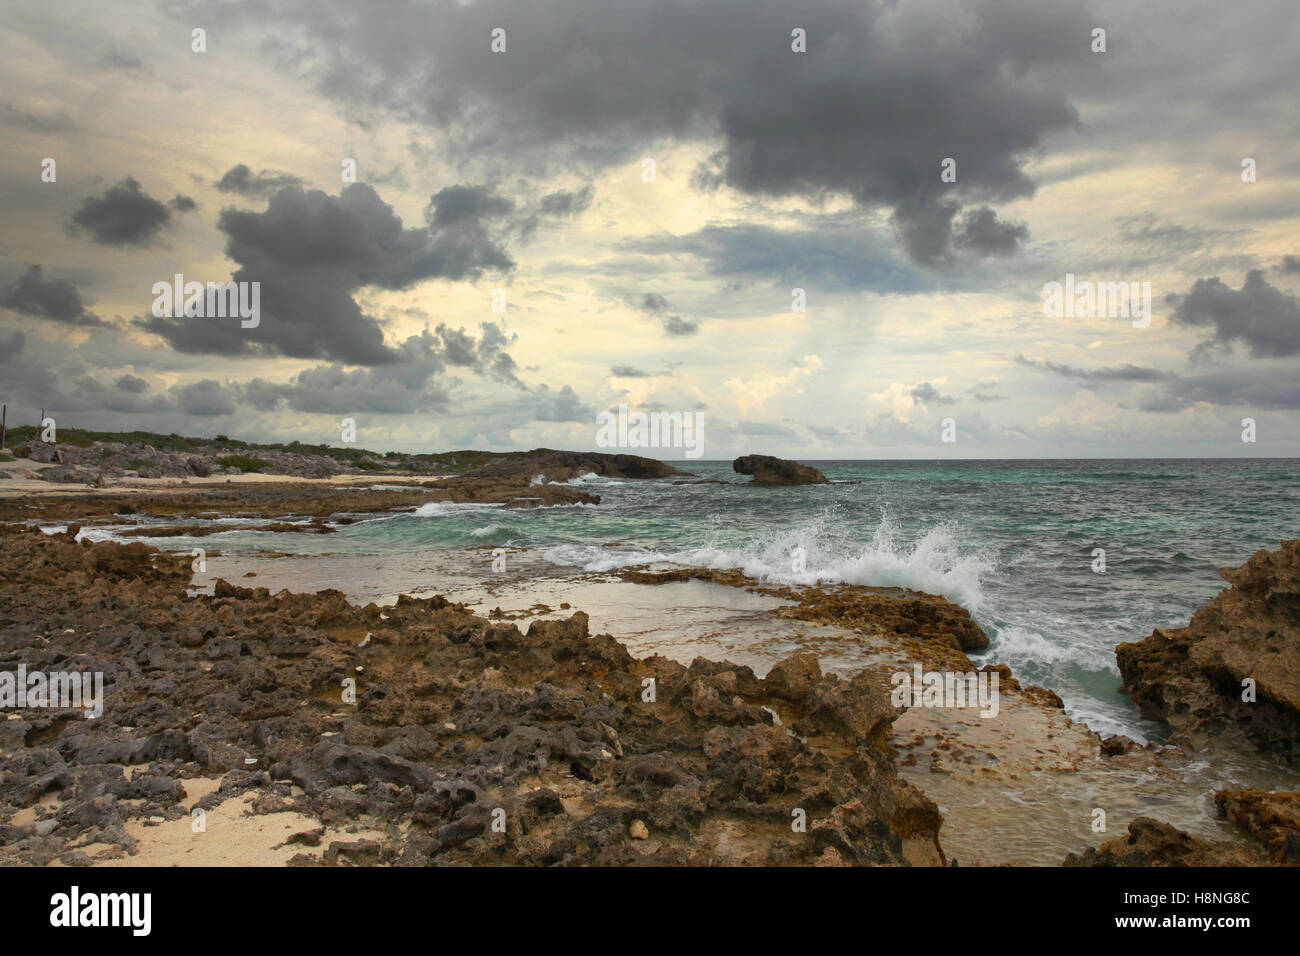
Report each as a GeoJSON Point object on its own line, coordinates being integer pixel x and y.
{"type": "Point", "coordinates": [17, 487]}
{"type": "Point", "coordinates": [231, 836]}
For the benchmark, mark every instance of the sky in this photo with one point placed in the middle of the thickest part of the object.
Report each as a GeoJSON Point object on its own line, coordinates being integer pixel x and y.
{"type": "Point", "coordinates": [481, 224]}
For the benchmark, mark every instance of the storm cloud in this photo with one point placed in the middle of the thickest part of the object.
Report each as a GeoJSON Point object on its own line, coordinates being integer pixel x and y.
{"type": "Point", "coordinates": [313, 252]}
{"type": "Point", "coordinates": [1263, 318]}
{"type": "Point", "coordinates": [856, 115]}
{"type": "Point", "coordinates": [58, 300]}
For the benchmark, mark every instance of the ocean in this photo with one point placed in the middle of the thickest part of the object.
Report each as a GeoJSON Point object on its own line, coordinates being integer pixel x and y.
{"type": "Point", "coordinates": [1014, 542]}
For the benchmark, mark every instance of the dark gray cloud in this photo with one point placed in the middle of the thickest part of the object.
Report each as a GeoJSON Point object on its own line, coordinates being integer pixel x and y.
{"type": "Point", "coordinates": [628, 371]}
{"type": "Point", "coordinates": [1262, 317]}
{"type": "Point", "coordinates": [566, 202]}
{"type": "Point", "coordinates": [1113, 373]}
{"type": "Point", "coordinates": [1290, 265]}
{"type": "Point", "coordinates": [561, 406]}
{"type": "Point", "coordinates": [984, 235]}
{"type": "Point", "coordinates": [458, 205]}
{"type": "Point", "coordinates": [415, 382]}
{"type": "Point", "coordinates": [312, 252]}
{"type": "Point", "coordinates": [1246, 389]}
{"type": "Point", "coordinates": [242, 180]}
{"type": "Point", "coordinates": [859, 114]}
{"type": "Point", "coordinates": [652, 303]}
{"type": "Point", "coordinates": [1259, 389]}
{"type": "Point", "coordinates": [487, 356]}
{"type": "Point", "coordinates": [126, 215]}
{"type": "Point", "coordinates": [927, 394]}
{"type": "Point", "coordinates": [55, 299]}
{"type": "Point", "coordinates": [132, 384]}
{"type": "Point", "coordinates": [205, 398]}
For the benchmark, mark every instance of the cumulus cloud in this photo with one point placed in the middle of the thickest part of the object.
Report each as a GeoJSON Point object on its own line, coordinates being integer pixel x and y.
{"type": "Point", "coordinates": [1258, 315]}
{"type": "Point", "coordinates": [756, 390]}
{"type": "Point", "coordinates": [126, 215]}
{"type": "Point", "coordinates": [313, 252]}
{"type": "Point", "coordinates": [58, 300]}
{"type": "Point", "coordinates": [417, 381]}
{"type": "Point", "coordinates": [927, 394]}
{"type": "Point", "coordinates": [561, 406]}
{"type": "Point", "coordinates": [205, 398]}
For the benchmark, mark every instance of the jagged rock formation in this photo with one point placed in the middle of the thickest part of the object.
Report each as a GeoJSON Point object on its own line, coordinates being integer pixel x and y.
{"type": "Point", "coordinates": [1273, 819]}
{"type": "Point", "coordinates": [1195, 677]}
{"type": "Point", "coordinates": [1152, 843]}
{"type": "Point", "coordinates": [458, 723]}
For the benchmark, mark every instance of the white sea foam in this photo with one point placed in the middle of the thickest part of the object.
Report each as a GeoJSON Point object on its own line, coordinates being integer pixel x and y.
{"type": "Point", "coordinates": [441, 509]}
{"type": "Point", "coordinates": [591, 478]}
{"type": "Point", "coordinates": [933, 563]}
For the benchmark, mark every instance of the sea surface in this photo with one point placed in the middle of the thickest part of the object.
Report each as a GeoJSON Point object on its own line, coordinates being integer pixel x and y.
{"type": "Point", "coordinates": [1015, 542]}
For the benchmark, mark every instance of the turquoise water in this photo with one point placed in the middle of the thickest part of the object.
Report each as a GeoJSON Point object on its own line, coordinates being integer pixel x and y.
{"type": "Point", "coordinates": [1012, 541]}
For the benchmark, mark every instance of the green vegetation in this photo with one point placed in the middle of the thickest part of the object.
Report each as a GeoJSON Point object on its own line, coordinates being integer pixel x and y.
{"type": "Point", "coordinates": [243, 462]}
{"type": "Point", "coordinates": [240, 452]}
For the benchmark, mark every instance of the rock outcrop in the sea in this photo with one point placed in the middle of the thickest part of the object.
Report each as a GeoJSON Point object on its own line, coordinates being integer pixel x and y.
{"type": "Point", "coordinates": [777, 471]}
{"type": "Point", "coordinates": [466, 740]}
{"type": "Point", "coordinates": [1233, 673]}
{"type": "Point", "coordinates": [563, 465]}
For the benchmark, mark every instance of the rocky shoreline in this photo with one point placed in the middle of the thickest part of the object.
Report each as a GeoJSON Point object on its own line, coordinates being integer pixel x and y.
{"type": "Point", "coordinates": [1234, 671]}
{"type": "Point", "coordinates": [312, 731]}
{"type": "Point", "coordinates": [468, 742]}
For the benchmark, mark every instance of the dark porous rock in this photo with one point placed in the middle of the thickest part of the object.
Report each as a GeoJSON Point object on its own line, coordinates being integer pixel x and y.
{"type": "Point", "coordinates": [777, 471]}
{"type": "Point", "coordinates": [69, 474]}
{"type": "Point", "coordinates": [1273, 819]}
{"type": "Point", "coordinates": [199, 467]}
{"type": "Point", "coordinates": [333, 763]}
{"type": "Point", "coordinates": [37, 451]}
{"type": "Point", "coordinates": [469, 741]}
{"type": "Point", "coordinates": [1198, 678]}
{"type": "Point", "coordinates": [1152, 843]}
{"type": "Point", "coordinates": [1118, 745]}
